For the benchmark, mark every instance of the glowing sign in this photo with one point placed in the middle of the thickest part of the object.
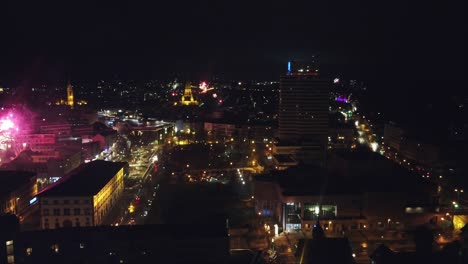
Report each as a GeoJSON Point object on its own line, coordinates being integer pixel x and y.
{"type": "Point", "coordinates": [289, 66]}
{"type": "Point", "coordinates": [33, 200]}
{"type": "Point", "coordinates": [336, 80]}
{"type": "Point", "coordinates": [341, 99]}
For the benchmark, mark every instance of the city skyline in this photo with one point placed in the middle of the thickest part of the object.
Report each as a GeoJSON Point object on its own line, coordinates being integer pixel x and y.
{"type": "Point", "coordinates": [233, 132]}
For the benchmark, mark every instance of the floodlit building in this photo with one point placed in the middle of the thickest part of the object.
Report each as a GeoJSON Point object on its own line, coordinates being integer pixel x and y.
{"type": "Point", "coordinates": [33, 140]}
{"type": "Point", "coordinates": [84, 197]}
{"type": "Point", "coordinates": [187, 98]}
{"type": "Point", "coordinates": [70, 97]}
{"type": "Point", "coordinates": [57, 128]}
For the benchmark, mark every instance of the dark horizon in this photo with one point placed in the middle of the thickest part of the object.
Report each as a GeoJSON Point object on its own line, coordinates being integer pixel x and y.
{"type": "Point", "coordinates": [399, 42]}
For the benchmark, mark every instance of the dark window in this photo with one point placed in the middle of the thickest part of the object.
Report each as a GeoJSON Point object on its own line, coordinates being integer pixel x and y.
{"type": "Point", "coordinates": [86, 201]}
{"type": "Point", "coordinates": [66, 211]}
{"type": "Point", "coordinates": [76, 202]}
{"type": "Point", "coordinates": [56, 202]}
{"type": "Point", "coordinates": [66, 201]}
{"type": "Point", "coordinates": [87, 211]}
{"type": "Point", "coordinates": [45, 202]}
{"type": "Point", "coordinates": [77, 211]}
{"type": "Point", "coordinates": [45, 212]}
{"type": "Point", "coordinates": [46, 225]}
{"type": "Point", "coordinates": [56, 211]}
{"type": "Point", "coordinates": [67, 223]}
{"type": "Point", "coordinates": [57, 225]}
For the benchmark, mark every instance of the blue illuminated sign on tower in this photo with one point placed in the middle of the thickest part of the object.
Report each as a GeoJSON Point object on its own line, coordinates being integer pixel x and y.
{"type": "Point", "coordinates": [289, 66]}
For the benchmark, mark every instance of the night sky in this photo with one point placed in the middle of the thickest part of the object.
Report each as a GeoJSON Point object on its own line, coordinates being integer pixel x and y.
{"type": "Point", "coordinates": [392, 42]}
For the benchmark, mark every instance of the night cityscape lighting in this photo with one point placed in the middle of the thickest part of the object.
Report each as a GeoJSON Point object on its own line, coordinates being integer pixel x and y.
{"type": "Point", "coordinates": [232, 132]}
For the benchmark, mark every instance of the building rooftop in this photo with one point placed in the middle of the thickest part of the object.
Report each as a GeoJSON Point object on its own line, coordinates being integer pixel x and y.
{"type": "Point", "coordinates": [302, 142]}
{"type": "Point", "coordinates": [194, 201]}
{"type": "Point", "coordinates": [88, 179]}
{"type": "Point", "coordinates": [11, 180]}
{"type": "Point", "coordinates": [131, 232]}
{"type": "Point", "coordinates": [168, 243]}
{"type": "Point", "coordinates": [282, 158]}
{"type": "Point", "coordinates": [305, 180]}
{"type": "Point", "coordinates": [326, 250]}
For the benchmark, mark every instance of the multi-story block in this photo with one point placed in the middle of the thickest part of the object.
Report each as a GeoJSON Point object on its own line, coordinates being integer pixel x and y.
{"type": "Point", "coordinates": [84, 197]}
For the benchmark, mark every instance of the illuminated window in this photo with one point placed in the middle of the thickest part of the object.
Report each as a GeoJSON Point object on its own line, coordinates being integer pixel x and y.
{"type": "Point", "coordinates": [10, 252]}
{"type": "Point", "coordinates": [29, 251]}
{"type": "Point", "coordinates": [314, 211]}
{"type": "Point", "coordinates": [9, 243]}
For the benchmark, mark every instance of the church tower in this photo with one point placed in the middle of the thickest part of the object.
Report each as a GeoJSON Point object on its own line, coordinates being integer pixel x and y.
{"type": "Point", "coordinates": [70, 99]}
{"type": "Point", "coordinates": [187, 98]}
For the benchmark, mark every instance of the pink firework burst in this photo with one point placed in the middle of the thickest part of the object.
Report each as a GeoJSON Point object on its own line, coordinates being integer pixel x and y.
{"type": "Point", "coordinates": [6, 124]}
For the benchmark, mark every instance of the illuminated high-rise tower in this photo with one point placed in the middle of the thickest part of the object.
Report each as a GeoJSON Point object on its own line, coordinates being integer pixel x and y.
{"type": "Point", "coordinates": [70, 99]}
{"type": "Point", "coordinates": [187, 98]}
{"type": "Point", "coordinates": [303, 113]}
